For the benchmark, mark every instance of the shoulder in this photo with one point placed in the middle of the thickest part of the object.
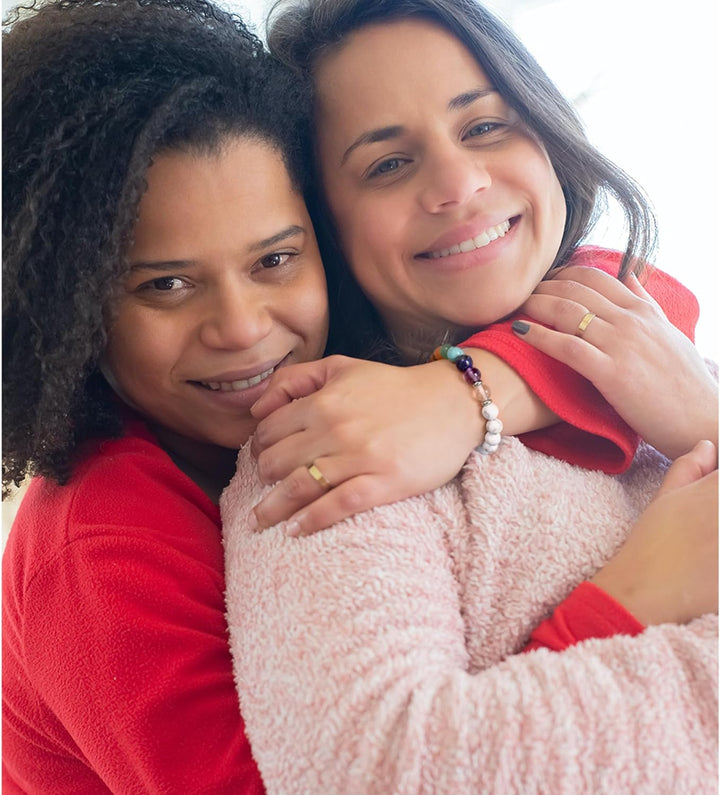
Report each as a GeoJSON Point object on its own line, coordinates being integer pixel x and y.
{"type": "Point", "coordinates": [124, 490]}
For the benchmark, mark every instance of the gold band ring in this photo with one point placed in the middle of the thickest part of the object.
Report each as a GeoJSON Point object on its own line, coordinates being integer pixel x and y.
{"type": "Point", "coordinates": [588, 318]}
{"type": "Point", "coordinates": [318, 476]}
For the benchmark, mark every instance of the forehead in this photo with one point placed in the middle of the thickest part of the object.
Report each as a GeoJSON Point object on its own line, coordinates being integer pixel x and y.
{"type": "Point", "coordinates": [384, 70]}
{"type": "Point", "coordinates": [235, 194]}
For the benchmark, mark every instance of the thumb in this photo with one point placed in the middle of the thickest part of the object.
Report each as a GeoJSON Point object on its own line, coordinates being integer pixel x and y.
{"type": "Point", "coordinates": [692, 466]}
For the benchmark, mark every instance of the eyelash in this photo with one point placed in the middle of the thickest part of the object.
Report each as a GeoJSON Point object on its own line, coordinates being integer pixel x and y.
{"type": "Point", "coordinates": [490, 127]}
{"type": "Point", "coordinates": [154, 284]}
{"type": "Point", "coordinates": [376, 171]}
{"type": "Point", "coordinates": [284, 256]}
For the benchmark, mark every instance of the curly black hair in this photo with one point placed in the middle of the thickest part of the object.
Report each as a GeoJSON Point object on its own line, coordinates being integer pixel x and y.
{"type": "Point", "coordinates": [92, 89]}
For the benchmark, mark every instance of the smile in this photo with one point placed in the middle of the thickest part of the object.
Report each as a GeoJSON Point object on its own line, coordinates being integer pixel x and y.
{"type": "Point", "coordinates": [483, 239]}
{"type": "Point", "coordinates": [237, 386]}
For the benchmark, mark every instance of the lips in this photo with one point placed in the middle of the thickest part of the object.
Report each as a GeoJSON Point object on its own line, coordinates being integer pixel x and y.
{"type": "Point", "coordinates": [484, 238]}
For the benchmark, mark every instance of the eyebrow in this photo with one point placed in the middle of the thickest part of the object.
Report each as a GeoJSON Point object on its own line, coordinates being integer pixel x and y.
{"type": "Point", "coordinates": [396, 130]}
{"type": "Point", "coordinates": [273, 240]}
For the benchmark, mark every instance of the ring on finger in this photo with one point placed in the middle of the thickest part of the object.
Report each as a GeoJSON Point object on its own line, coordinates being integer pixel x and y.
{"type": "Point", "coordinates": [318, 476]}
{"type": "Point", "coordinates": [587, 319]}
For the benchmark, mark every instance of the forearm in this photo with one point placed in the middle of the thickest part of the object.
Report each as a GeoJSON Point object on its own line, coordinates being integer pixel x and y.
{"type": "Point", "coordinates": [353, 678]}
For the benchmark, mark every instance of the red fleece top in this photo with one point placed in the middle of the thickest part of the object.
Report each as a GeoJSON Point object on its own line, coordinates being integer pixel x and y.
{"type": "Point", "coordinates": [117, 674]}
{"type": "Point", "coordinates": [592, 435]}
{"type": "Point", "coordinates": [116, 671]}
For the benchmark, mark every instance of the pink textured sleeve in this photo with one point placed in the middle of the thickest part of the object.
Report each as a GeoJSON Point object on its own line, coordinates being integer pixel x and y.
{"type": "Point", "coordinates": [353, 675]}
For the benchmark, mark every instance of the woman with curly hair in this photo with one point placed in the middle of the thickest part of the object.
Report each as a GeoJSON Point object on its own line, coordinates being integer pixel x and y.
{"type": "Point", "coordinates": [159, 263]}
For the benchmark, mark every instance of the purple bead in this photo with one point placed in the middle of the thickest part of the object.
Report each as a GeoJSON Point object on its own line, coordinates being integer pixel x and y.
{"type": "Point", "coordinates": [472, 375]}
{"type": "Point", "coordinates": [463, 362]}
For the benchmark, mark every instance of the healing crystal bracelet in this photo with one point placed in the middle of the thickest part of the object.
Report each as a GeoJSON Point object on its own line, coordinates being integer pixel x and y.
{"type": "Point", "coordinates": [490, 412]}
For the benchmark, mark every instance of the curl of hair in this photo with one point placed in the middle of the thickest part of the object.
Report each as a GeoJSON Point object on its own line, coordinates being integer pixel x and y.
{"type": "Point", "coordinates": [92, 90]}
{"type": "Point", "coordinates": [301, 32]}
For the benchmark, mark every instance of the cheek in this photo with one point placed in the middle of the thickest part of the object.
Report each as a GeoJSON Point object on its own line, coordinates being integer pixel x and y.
{"type": "Point", "coordinates": [308, 310]}
{"type": "Point", "coordinates": [133, 363]}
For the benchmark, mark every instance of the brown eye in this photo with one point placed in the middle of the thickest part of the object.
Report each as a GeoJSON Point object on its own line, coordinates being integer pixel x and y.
{"type": "Point", "coordinates": [482, 129]}
{"type": "Point", "coordinates": [166, 283]}
{"type": "Point", "coordinates": [273, 260]}
{"type": "Point", "coordinates": [387, 166]}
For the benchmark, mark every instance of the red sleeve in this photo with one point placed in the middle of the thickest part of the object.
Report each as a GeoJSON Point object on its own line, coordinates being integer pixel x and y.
{"type": "Point", "coordinates": [588, 612]}
{"type": "Point", "coordinates": [592, 434]}
{"type": "Point", "coordinates": [126, 644]}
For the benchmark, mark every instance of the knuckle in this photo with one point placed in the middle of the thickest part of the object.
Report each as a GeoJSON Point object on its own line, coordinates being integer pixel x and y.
{"type": "Point", "coordinates": [353, 498]}
{"type": "Point", "coordinates": [294, 486]}
{"type": "Point", "coordinates": [571, 349]}
{"type": "Point", "coordinates": [267, 467]}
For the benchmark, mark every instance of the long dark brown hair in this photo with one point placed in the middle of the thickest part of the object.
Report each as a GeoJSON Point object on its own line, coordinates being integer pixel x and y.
{"type": "Point", "coordinates": [300, 32]}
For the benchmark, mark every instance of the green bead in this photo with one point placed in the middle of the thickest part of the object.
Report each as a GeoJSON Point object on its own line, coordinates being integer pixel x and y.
{"type": "Point", "coordinates": [453, 352]}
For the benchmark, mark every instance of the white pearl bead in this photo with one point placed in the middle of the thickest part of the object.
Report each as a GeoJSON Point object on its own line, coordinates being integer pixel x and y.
{"type": "Point", "coordinates": [490, 412]}
{"type": "Point", "coordinates": [493, 426]}
{"type": "Point", "coordinates": [492, 438]}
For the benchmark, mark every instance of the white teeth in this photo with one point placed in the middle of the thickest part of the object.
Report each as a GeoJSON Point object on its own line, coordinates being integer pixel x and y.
{"type": "Point", "coordinates": [483, 239]}
{"type": "Point", "coordinates": [237, 386]}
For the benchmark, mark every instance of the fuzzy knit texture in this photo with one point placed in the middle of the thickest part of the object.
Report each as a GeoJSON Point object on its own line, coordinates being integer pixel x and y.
{"type": "Point", "coordinates": [381, 655]}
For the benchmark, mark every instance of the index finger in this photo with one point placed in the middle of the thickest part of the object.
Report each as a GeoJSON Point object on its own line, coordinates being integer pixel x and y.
{"type": "Point", "coordinates": [288, 384]}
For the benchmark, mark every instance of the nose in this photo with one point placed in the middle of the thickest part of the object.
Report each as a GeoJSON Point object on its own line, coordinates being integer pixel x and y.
{"type": "Point", "coordinates": [451, 176]}
{"type": "Point", "coordinates": [234, 317]}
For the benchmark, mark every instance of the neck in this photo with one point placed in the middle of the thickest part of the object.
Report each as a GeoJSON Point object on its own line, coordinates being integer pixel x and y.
{"type": "Point", "coordinates": [415, 343]}
{"type": "Point", "coordinates": [209, 466]}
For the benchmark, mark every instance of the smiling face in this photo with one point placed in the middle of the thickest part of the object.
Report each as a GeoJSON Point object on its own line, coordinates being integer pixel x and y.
{"type": "Point", "coordinates": [447, 208]}
{"type": "Point", "coordinates": [225, 286]}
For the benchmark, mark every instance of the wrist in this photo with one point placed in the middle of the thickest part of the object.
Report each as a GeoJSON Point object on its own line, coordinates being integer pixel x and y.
{"type": "Point", "coordinates": [521, 409]}
{"type": "Point", "coordinates": [481, 392]}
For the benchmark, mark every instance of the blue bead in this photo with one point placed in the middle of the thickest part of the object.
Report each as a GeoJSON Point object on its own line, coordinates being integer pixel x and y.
{"type": "Point", "coordinates": [463, 363]}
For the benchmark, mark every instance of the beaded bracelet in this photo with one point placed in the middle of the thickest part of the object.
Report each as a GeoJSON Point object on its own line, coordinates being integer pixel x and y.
{"type": "Point", "coordinates": [464, 363]}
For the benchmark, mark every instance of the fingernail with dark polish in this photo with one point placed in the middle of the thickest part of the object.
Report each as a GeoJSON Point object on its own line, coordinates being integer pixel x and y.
{"type": "Point", "coordinates": [520, 327]}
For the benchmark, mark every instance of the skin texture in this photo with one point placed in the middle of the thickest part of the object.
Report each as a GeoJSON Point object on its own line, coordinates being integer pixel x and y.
{"type": "Point", "coordinates": [225, 283]}
{"type": "Point", "coordinates": [419, 154]}
{"type": "Point", "coordinates": [630, 352]}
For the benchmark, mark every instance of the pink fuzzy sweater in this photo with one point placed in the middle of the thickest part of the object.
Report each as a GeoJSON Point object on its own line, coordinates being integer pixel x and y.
{"type": "Point", "coordinates": [380, 656]}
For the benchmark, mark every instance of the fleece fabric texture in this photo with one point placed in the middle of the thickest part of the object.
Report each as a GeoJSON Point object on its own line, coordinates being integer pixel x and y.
{"type": "Point", "coordinates": [116, 669]}
{"type": "Point", "coordinates": [592, 434]}
{"type": "Point", "coordinates": [380, 656]}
